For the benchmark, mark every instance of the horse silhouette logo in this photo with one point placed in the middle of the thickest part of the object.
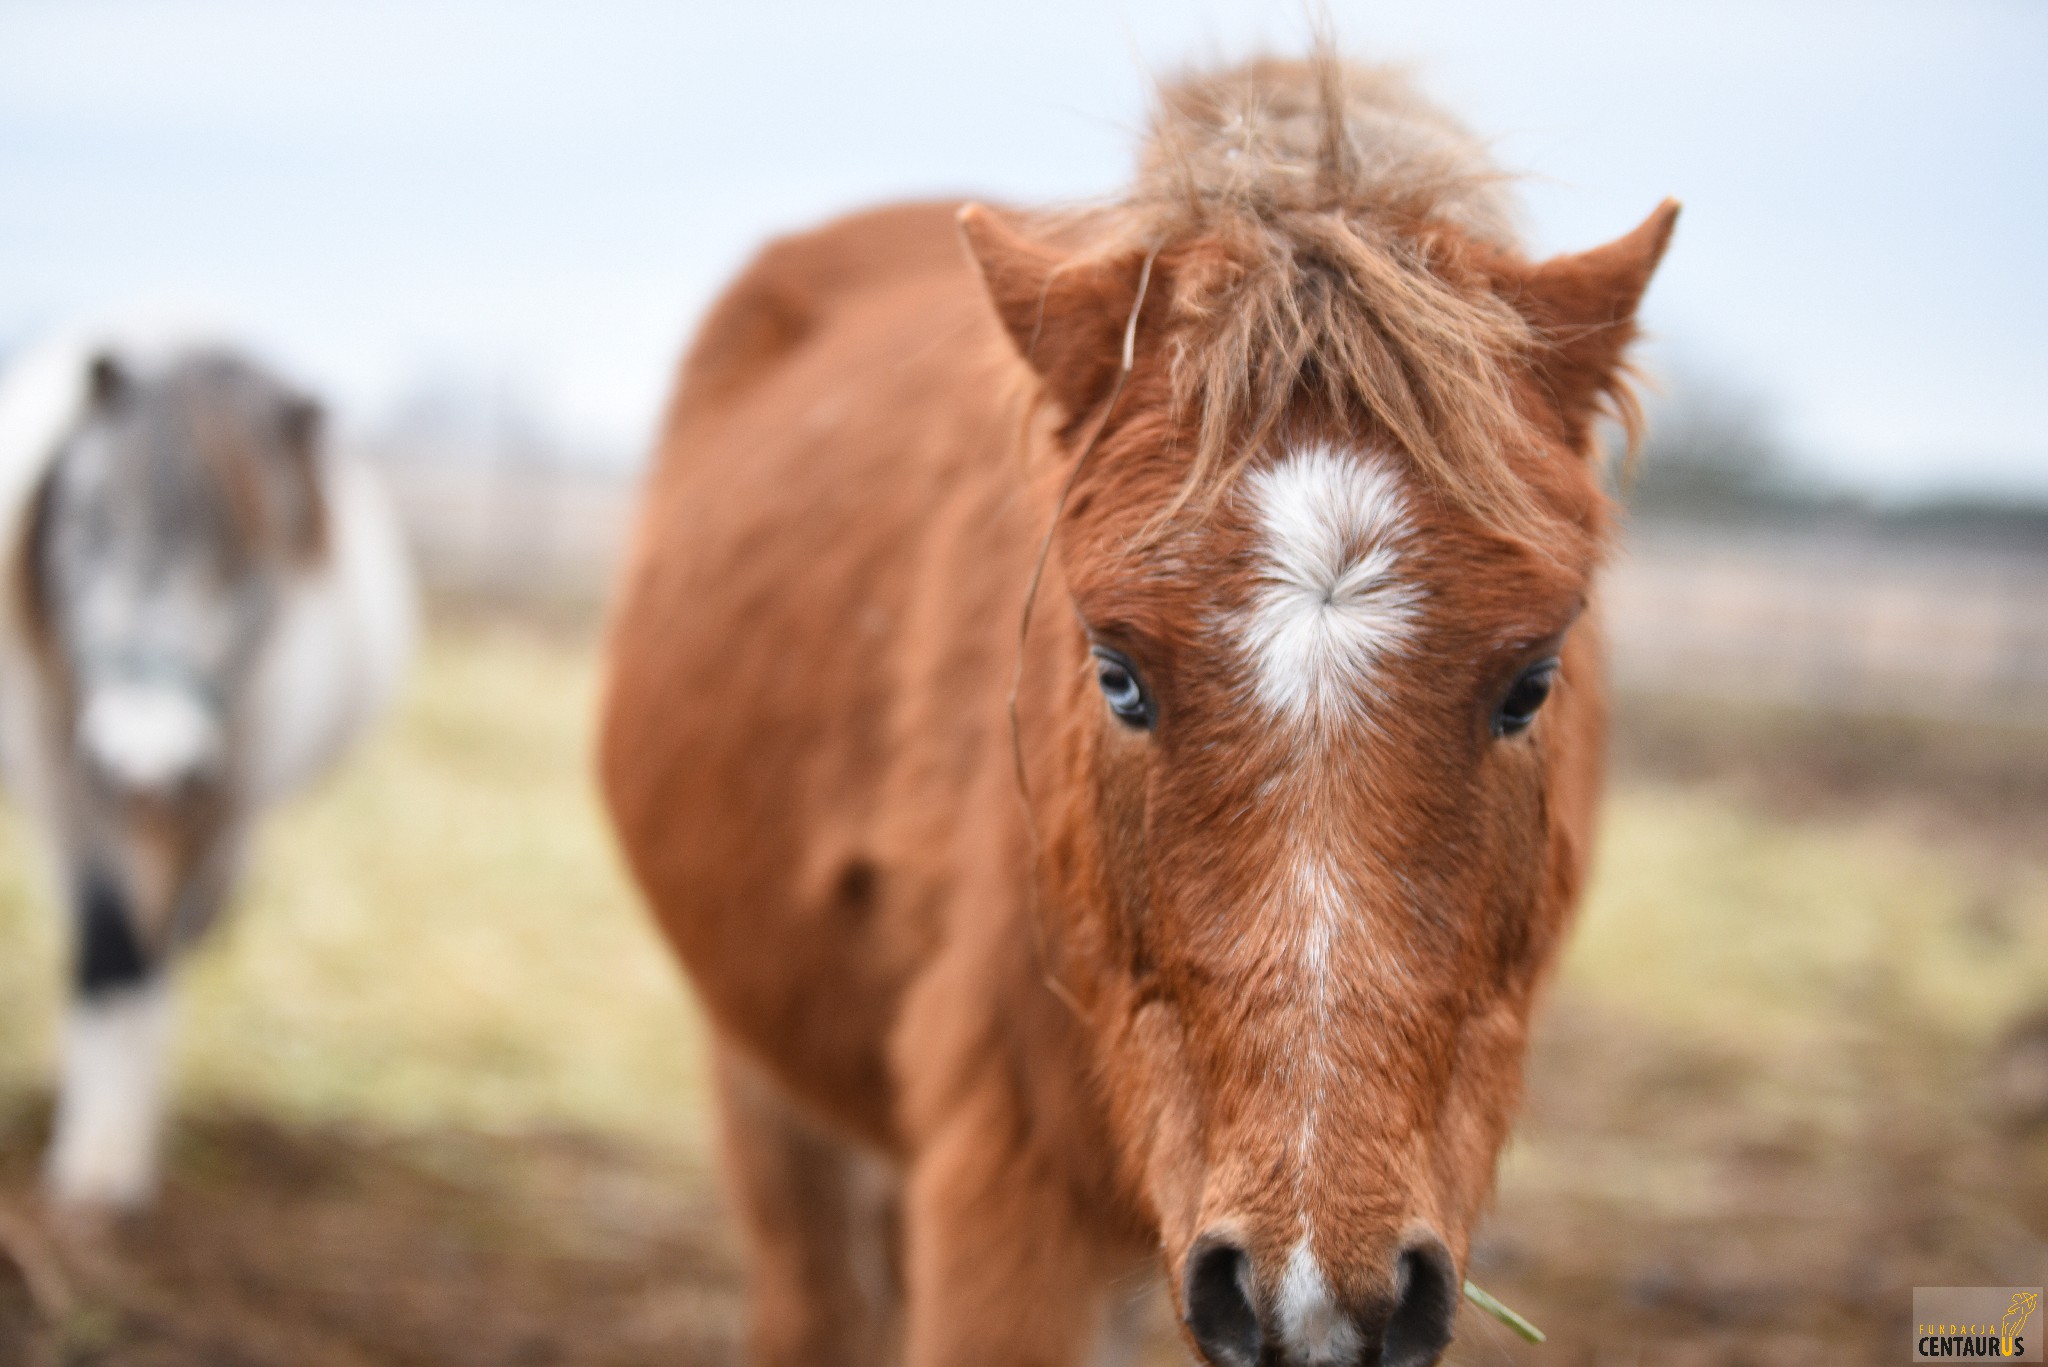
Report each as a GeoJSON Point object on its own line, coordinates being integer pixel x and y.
{"type": "Point", "coordinates": [2024, 1303]}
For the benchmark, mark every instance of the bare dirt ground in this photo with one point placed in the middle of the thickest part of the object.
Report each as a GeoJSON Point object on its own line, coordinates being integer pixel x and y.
{"type": "Point", "coordinates": [305, 1245]}
{"type": "Point", "coordinates": [1736, 1160]}
{"type": "Point", "coordinates": [281, 1245]}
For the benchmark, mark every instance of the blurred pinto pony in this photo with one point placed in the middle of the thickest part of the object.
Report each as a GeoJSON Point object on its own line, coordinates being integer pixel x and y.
{"type": "Point", "coordinates": [203, 605]}
{"type": "Point", "coordinates": [1186, 912]}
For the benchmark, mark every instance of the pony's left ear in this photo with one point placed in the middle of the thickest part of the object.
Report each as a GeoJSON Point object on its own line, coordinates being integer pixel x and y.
{"type": "Point", "coordinates": [1583, 308]}
{"type": "Point", "coordinates": [1065, 316]}
{"type": "Point", "coordinates": [108, 384]}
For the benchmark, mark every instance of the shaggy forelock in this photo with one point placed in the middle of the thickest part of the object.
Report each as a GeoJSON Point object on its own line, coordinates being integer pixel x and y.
{"type": "Point", "coordinates": [1318, 209]}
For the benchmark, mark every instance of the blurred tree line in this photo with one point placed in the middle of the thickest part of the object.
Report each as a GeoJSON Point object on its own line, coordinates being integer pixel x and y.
{"type": "Point", "coordinates": [1714, 452]}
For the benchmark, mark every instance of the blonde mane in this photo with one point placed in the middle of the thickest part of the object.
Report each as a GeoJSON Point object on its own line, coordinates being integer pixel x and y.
{"type": "Point", "coordinates": [1332, 199]}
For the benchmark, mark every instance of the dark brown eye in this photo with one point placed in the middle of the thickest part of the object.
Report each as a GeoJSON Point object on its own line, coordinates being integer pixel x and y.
{"type": "Point", "coordinates": [1122, 689]}
{"type": "Point", "coordinates": [1525, 698]}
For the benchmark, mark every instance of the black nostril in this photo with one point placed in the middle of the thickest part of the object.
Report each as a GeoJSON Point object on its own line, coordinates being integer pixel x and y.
{"type": "Point", "coordinates": [1218, 1294]}
{"type": "Point", "coordinates": [1426, 1301]}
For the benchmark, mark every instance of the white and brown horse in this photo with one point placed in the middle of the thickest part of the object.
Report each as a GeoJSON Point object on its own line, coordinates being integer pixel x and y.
{"type": "Point", "coordinates": [1215, 951]}
{"type": "Point", "coordinates": [203, 606]}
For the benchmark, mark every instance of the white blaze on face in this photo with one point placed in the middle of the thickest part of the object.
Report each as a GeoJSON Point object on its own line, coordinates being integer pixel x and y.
{"type": "Point", "coordinates": [1331, 607]}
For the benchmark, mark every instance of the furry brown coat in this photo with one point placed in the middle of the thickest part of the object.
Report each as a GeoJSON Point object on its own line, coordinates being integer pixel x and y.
{"type": "Point", "coordinates": [1221, 960]}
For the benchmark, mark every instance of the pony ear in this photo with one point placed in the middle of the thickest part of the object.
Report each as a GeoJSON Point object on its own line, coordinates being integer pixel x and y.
{"type": "Point", "coordinates": [1584, 308]}
{"type": "Point", "coordinates": [303, 422]}
{"type": "Point", "coordinates": [107, 382]}
{"type": "Point", "coordinates": [1065, 317]}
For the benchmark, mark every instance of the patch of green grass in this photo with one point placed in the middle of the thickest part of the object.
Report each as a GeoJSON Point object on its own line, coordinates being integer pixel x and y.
{"type": "Point", "coordinates": [1734, 924]}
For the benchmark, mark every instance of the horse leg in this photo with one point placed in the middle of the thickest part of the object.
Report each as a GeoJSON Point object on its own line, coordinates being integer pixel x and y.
{"type": "Point", "coordinates": [820, 1216]}
{"type": "Point", "coordinates": [116, 1039]}
{"type": "Point", "coordinates": [1003, 1269]}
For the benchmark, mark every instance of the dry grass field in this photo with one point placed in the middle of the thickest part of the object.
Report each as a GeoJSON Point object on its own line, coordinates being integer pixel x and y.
{"type": "Point", "coordinates": [442, 1096]}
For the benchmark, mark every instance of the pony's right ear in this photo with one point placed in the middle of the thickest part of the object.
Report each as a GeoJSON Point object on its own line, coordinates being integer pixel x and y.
{"type": "Point", "coordinates": [107, 382]}
{"type": "Point", "coordinates": [1066, 317]}
{"type": "Point", "coordinates": [303, 421]}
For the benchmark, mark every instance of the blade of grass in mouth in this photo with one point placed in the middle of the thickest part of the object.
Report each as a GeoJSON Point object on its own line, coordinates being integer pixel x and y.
{"type": "Point", "coordinates": [1475, 1294]}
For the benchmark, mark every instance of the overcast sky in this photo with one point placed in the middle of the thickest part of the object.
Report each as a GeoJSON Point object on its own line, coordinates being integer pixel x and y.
{"type": "Point", "coordinates": [546, 195]}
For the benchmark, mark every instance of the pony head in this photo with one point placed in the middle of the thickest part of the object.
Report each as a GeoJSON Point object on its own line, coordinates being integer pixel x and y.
{"type": "Point", "coordinates": [177, 509]}
{"type": "Point", "coordinates": [1311, 719]}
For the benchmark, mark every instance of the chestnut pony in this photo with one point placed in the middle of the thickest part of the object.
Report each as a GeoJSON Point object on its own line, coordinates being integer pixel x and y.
{"type": "Point", "coordinates": [1111, 720]}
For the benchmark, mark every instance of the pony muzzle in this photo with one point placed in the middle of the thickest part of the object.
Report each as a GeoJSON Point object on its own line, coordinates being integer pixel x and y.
{"type": "Point", "coordinates": [149, 738]}
{"type": "Point", "coordinates": [1285, 1310]}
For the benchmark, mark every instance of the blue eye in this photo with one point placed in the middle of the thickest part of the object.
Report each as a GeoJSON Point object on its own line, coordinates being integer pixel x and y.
{"type": "Point", "coordinates": [1122, 689]}
{"type": "Point", "coordinates": [1525, 697]}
